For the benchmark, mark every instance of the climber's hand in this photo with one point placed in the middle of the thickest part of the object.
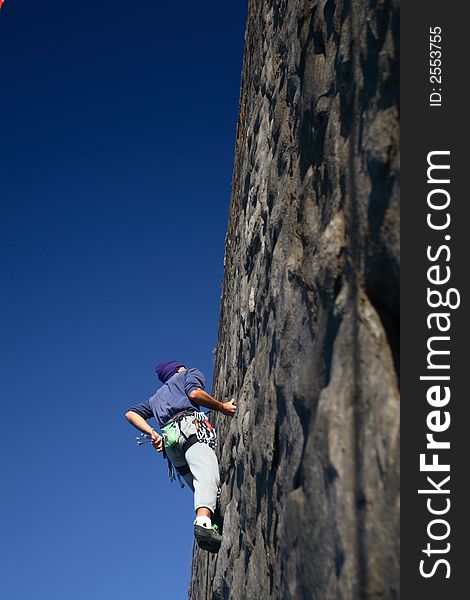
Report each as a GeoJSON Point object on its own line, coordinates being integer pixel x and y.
{"type": "Point", "coordinates": [157, 441]}
{"type": "Point", "coordinates": [229, 408]}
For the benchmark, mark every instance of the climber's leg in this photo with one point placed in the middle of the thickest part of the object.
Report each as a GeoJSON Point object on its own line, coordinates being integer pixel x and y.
{"type": "Point", "coordinates": [204, 466]}
{"type": "Point", "coordinates": [205, 469]}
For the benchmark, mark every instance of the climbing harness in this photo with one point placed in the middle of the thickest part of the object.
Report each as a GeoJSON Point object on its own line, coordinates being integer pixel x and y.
{"type": "Point", "coordinates": [205, 434]}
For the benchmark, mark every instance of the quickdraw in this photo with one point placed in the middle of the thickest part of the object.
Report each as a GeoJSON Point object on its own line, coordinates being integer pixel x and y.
{"type": "Point", "coordinates": [204, 430]}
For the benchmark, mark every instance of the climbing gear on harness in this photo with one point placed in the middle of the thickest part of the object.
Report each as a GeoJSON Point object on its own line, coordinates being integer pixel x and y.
{"type": "Point", "coordinates": [205, 433]}
{"type": "Point", "coordinates": [204, 430]}
{"type": "Point", "coordinates": [143, 438]}
{"type": "Point", "coordinates": [171, 434]}
{"type": "Point", "coordinates": [172, 431]}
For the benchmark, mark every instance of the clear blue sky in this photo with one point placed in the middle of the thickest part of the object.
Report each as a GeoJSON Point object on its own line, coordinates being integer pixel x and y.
{"type": "Point", "coordinates": [117, 133]}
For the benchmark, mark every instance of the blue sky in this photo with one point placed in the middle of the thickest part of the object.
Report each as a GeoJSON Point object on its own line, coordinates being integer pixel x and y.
{"type": "Point", "coordinates": [117, 132]}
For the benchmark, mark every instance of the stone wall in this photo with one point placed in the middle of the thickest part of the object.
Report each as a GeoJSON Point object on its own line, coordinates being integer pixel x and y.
{"type": "Point", "coordinates": [309, 324]}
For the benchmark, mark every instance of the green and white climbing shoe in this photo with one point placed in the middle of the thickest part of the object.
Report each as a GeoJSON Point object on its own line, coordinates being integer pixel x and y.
{"type": "Point", "coordinates": [208, 538]}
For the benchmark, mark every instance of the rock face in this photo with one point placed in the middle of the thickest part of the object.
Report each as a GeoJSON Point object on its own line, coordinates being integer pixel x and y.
{"type": "Point", "coordinates": [308, 334]}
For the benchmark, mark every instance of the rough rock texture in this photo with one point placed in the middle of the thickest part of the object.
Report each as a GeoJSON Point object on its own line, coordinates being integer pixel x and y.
{"type": "Point", "coordinates": [308, 335]}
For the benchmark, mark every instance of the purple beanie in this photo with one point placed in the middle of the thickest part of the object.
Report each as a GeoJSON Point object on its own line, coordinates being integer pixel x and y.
{"type": "Point", "coordinates": [167, 369]}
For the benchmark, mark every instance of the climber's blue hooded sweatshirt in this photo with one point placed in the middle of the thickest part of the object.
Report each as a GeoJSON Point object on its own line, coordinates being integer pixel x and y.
{"type": "Point", "coordinates": [172, 397]}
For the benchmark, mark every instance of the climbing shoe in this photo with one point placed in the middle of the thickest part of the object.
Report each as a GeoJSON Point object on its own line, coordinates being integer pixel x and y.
{"type": "Point", "coordinates": [208, 538]}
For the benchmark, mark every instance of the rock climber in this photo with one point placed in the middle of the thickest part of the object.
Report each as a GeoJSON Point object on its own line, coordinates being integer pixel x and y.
{"type": "Point", "coordinates": [188, 439]}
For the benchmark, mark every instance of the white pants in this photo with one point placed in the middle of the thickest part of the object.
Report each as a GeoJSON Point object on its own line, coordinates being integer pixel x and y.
{"type": "Point", "coordinates": [203, 475]}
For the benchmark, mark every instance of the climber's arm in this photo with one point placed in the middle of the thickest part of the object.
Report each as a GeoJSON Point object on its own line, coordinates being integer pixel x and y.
{"type": "Point", "coordinates": [141, 424]}
{"type": "Point", "coordinates": [202, 398]}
